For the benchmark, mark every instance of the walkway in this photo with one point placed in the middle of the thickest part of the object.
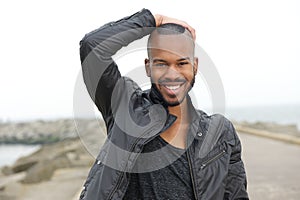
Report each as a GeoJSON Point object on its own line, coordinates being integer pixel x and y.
{"type": "Point", "coordinates": [273, 168]}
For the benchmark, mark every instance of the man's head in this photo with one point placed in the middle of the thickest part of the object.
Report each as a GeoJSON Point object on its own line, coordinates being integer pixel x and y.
{"type": "Point", "coordinates": [171, 64]}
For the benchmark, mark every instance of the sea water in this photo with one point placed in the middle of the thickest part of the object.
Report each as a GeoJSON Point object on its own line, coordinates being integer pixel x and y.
{"type": "Point", "coordinates": [9, 153]}
{"type": "Point", "coordinates": [280, 114]}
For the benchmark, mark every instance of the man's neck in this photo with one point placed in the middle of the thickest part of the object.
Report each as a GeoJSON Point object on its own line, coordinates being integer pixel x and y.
{"type": "Point", "coordinates": [176, 134]}
{"type": "Point", "coordinates": [180, 111]}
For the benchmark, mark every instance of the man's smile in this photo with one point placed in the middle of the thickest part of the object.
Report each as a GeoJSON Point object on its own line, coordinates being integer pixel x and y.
{"type": "Point", "coordinates": [172, 88]}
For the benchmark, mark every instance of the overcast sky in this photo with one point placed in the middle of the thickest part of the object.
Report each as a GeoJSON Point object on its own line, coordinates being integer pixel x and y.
{"type": "Point", "coordinates": [254, 45]}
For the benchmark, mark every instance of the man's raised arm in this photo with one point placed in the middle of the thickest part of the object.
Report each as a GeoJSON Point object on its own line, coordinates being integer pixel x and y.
{"type": "Point", "coordinates": [100, 72]}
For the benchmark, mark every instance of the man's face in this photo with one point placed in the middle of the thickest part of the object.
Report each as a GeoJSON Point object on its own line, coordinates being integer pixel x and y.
{"type": "Point", "coordinates": [172, 66]}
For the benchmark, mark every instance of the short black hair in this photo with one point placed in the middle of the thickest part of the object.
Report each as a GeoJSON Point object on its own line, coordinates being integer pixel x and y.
{"type": "Point", "coordinates": [168, 29]}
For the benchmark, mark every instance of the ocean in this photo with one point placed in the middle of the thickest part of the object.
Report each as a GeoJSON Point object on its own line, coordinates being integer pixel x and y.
{"type": "Point", "coordinates": [281, 114]}
{"type": "Point", "coordinates": [9, 153]}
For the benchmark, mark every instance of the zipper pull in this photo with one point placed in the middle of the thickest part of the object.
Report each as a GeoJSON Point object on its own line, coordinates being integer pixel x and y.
{"type": "Point", "coordinates": [204, 164]}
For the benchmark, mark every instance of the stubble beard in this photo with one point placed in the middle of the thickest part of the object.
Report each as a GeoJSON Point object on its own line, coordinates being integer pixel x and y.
{"type": "Point", "coordinates": [179, 101]}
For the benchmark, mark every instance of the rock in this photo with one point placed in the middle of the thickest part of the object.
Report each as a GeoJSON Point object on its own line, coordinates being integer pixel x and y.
{"type": "Point", "coordinates": [68, 152]}
{"type": "Point", "coordinates": [41, 165]}
{"type": "Point", "coordinates": [61, 161]}
{"type": "Point", "coordinates": [6, 170]}
{"type": "Point", "coordinates": [23, 165]}
{"type": "Point", "coordinates": [290, 129]}
{"type": "Point", "coordinates": [42, 171]}
{"type": "Point", "coordinates": [37, 132]}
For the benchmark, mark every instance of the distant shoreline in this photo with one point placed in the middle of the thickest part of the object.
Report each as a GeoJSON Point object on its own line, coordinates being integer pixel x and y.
{"type": "Point", "coordinates": [51, 131]}
{"type": "Point", "coordinates": [41, 131]}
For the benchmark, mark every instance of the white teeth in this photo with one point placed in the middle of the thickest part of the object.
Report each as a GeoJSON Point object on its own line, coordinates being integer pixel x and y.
{"type": "Point", "coordinates": [175, 87]}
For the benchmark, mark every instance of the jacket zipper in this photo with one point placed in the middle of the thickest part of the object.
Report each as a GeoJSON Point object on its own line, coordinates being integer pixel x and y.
{"type": "Point", "coordinates": [192, 175]}
{"type": "Point", "coordinates": [132, 147]}
{"type": "Point", "coordinates": [204, 164]}
{"type": "Point", "coordinates": [123, 172]}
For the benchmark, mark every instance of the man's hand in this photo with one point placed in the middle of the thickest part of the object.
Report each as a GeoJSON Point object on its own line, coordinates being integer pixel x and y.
{"type": "Point", "coordinates": [161, 19]}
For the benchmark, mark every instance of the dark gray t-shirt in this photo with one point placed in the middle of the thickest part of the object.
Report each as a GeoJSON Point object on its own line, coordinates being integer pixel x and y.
{"type": "Point", "coordinates": [171, 182]}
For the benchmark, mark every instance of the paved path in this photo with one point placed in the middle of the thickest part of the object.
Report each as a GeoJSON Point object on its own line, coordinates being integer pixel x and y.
{"type": "Point", "coordinates": [64, 185]}
{"type": "Point", "coordinates": [273, 168]}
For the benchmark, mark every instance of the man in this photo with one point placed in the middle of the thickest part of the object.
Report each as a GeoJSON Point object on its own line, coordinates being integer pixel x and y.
{"type": "Point", "coordinates": [158, 145]}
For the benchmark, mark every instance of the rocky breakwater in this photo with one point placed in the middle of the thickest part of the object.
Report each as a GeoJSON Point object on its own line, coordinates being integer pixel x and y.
{"type": "Point", "coordinates": [37, 132]}
{"type": "Point", "coordinates": [64, 146]}
{"type": "Point", "coordinates": [283, 132]}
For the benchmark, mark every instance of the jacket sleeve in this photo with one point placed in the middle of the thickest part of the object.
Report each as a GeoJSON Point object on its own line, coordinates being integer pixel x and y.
{"type": "Point", "coordinates": [100, 72]}
{"type": "Point", "coordinates": [236, 187]}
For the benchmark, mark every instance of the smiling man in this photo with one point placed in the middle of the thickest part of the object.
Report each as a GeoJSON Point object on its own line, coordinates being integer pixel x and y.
{"type": "Point", "coordinates": [171, 65]}
{"type": "Point", "coordinates": [158, 145]}
{"type": "Point", "coordinates": [172, 68]}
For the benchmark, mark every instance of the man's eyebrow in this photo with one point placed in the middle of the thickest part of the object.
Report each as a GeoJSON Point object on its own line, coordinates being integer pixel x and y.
{"type": "Point", "coordinates": [158, 60]}
{"type": "Point", "coordinates": [183, 59]}
{"type": "Point", "coordinates": [162, 60]}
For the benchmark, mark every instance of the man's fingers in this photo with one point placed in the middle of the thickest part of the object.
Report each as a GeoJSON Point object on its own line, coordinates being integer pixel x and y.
{"type": "Point", "coordinates": [189, 28]}
{"type": "Point", "coordinates": [193, 32]}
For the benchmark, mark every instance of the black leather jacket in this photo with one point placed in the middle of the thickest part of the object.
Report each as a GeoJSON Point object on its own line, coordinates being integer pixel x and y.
{"type": "Point", "coordinates": [216, 167]}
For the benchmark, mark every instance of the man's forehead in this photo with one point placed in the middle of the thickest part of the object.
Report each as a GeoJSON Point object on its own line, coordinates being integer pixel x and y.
{"type": "Point", "coordinates": [156, 37]}
{"type": "Point", "coordinates": [174, 44]}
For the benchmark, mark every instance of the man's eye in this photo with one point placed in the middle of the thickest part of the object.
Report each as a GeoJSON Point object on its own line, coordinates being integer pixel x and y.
{"type": "Point", "coordinates": [160, 64]}
{"type": "Point", "coordinates": [182, 63]}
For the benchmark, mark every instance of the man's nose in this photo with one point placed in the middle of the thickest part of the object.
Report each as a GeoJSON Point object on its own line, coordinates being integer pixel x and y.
{"type": "Point", "coordinates": [172, 73]}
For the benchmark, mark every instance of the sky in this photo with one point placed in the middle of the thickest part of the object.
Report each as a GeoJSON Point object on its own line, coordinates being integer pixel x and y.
{"type": "Point", "coordinates": [254, 45]}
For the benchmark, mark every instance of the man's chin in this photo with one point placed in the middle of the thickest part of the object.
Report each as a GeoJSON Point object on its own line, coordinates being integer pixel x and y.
{"type": "Point", "coordinates": [174, 102]}
{"type": "Point", "coordinates": [171, 101]}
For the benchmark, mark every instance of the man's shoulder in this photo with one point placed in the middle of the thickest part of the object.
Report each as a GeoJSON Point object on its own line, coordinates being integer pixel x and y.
{"type": "Point", "coordinates": [216, 121]}
{"type": "Point", "coordinates": [215, 116]}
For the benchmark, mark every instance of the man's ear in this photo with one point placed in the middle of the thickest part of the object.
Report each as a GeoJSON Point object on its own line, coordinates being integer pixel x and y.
{"type": "Point", "coordinates": [147, 67]}
{"type": "Point", "coordinates": [195, 68]}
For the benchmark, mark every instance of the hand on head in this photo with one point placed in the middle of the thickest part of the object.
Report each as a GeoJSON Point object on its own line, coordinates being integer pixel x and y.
{"type": "Point", "coordinates": [161, 19]}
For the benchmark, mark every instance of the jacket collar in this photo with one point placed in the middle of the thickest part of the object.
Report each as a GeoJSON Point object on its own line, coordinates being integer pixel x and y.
{"type": "Point", "coordinates": [156, 97]}
{"type": "Point", "coordinates": [198, 117]}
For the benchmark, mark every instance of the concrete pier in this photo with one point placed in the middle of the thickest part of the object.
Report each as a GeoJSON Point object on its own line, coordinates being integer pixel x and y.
{"type": "Point", "coordinates": [272, 168]}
